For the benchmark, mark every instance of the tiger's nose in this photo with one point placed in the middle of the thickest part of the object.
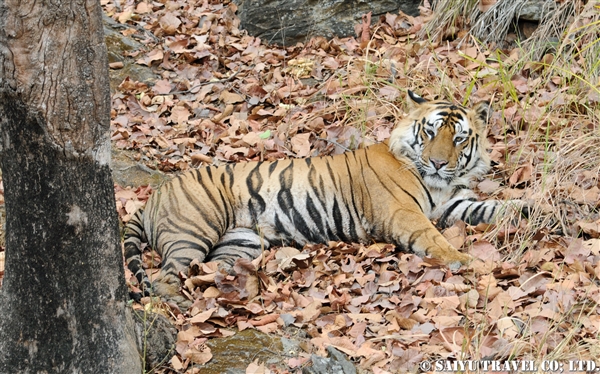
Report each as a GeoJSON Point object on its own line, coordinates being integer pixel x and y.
{"type": "Point", "coordinates": [437, 164]}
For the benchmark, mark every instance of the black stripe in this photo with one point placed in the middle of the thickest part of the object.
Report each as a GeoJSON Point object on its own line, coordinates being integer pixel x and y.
{"type": "Point", "coordinates": [385, 183]}
{"type": "Point", "coordinates": [474, 216]}
{"type": "Point", "coordinates": [236, 242]}
{"type": "Point", "coordinates": [363, 186]}
{"type": "Point", "coordinates": [131, 251]}
{"type": "Point", "coordinates": [423, 187]}
{"type": "Point", "coordinates": [131, 234]}
{"type": "Point", "coordinates": [272, 167]}
{"type": "Point", "coordinates": [313, 211]}
{"type": "Point", "coordinates": [337, 219]}
{"type": "Point", "coordinates": [135, 221]}
{"type": "Point", "coordinates": [185, 261]}
{"type": "Point", "coordinates": [284, 197]}
{"type": "Point", "coordinates": [226, 209]}
{"type": "Point", "coordinates": [442, 221]}
{"type": "Point", "coordinates": [254, 182]}
{"type": "Point", "coordinates": [208, 171]}
{"type": "Point", "coordinates": [230, 174]}
{"type": "Point", "coordinates": [197, 233]}
{"type": "Point", "coordinates": [168, 268]}
{"type": "Point", "coordinates": [183, 245]}
{"type": "Point", "coordinates": [301, 225]}
{"type": "Point", "coordinates": [413, 239]}
{"type": "Point", "coordinates": [216, 214]}
{"type": "Point", "coordinates": [463, 216]}
{"type": "Point", "coordinates": [281, 228]}
{"type": "Point", "coordinates": [234, 254]}
{"type": "Point", "coordinates": [332, 175]}
{"type": "Point", "coordinates": [352, 223]}
{"type": "Point", "coordinates": [483, 213]}
{"type": "Point", "coordinates": [406, 192]}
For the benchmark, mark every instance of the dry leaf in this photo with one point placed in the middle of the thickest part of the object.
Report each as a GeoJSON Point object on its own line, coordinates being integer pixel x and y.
{"type": "Point", "coordinates": [230, 97]}
{"type": "Point", "coordinates": [521, 175]}
{"type": "Point", "coordinates": [485, 250]}
{"type": "Point", "coordinates": [301, 144]}
{"type": "Point", "coordinates": [198, 356]}
{"type": "Point", "coordinates": [488, 186]}
{"type": "Point", "coordinates": [169, 23]}
{"type": "Point", "coordinates": [590, 228]}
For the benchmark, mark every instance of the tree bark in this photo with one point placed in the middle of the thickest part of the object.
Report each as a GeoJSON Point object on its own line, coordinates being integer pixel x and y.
{"type": "Point", "coordinates": [63, 302]}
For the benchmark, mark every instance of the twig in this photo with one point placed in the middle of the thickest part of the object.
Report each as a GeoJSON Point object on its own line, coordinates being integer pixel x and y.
{"type": "Point", "coordinates": [116, 25]}
{"type": "Point", "coordinates": [142, 167]}
{"type": "Point", "coordinates": [336, 143]}
{"type": "Point", "coordinates": [189, 90]}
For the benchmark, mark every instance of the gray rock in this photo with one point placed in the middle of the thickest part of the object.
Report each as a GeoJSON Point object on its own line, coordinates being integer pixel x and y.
{"type": "Point", "coordinates": [156, 338]}
{"type": "Point", "coordinates": [287, 22]}
{"type": "Point", "coordinates": [336, 363]}
{"type": "Point", "coordinates": [535, 10]}
{"type": "Point", "coordinates": [117, 45]}
{"type": "Point", "coordinates": [128, 172]}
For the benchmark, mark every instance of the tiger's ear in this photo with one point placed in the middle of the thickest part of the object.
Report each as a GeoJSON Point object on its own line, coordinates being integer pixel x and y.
{"type": "Point", "coordinates": [416, 98]}
{"type": "Point", "coordinates": [483, 111]}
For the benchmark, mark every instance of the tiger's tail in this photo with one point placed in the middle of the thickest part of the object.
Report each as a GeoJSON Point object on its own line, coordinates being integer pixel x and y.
{"type": "Point", "coordinates": [134, 236]}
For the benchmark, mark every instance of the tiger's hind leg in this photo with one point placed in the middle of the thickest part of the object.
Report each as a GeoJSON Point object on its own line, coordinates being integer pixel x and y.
{"type": "Point", "coordinates": [177, 256]}
{"type": "Point", "coordinates": [237, 243]}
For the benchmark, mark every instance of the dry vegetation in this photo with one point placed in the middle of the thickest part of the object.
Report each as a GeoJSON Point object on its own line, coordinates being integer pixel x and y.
{"type": "Point", "coordinates": [532, 292]}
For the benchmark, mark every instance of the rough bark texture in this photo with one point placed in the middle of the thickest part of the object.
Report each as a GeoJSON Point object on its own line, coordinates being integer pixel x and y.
{"type": "Point", "coordinates": [287, 22]}
{"type": "Point", "coordinates": [63, 303]}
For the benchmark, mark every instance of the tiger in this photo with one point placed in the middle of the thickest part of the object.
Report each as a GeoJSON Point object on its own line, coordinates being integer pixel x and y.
{"type": "Point", "coordinates": [386, 192]}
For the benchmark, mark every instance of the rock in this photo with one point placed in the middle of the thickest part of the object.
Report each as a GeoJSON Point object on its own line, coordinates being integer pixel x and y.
{"type": "Point", "coordinates": [117, 44]}
{"type": "Point", "coordinates": [156, 338]}
{"type": "Point", "coordinates": [287, 22]}
{"type": "Point", "coordinates": [128, 172]}
{"type": "Point", "coordinates": [233, 354]}
{"type": "Point", "coordinates": [336, 363]}
{"type": "Point", "coordinates": [535, 10]}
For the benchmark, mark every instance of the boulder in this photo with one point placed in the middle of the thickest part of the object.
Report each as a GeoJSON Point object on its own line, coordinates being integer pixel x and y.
{"type": "Point", "coordinates": [287, 22]}
{"type": "Point", "coordinates": [535, 10]}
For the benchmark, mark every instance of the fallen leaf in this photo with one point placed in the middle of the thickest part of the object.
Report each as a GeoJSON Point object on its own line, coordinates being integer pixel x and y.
{"type": "Point", "coordinates": [230, 97]}
{"type": "Point", "coordinates": [169, 23]}
{"type": "Point", "coordinates": [521, 175]}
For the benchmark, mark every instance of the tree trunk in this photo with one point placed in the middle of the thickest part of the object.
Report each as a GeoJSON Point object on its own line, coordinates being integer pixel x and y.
{"type": "Point", "coordinates": [63, 303]}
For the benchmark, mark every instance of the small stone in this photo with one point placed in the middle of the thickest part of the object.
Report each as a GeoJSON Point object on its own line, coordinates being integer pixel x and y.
{"type": "Point", "coordinates": [336, 363]}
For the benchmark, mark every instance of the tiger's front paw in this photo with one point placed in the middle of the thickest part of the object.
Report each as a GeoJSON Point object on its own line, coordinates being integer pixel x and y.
{"type": "Point", "coordinates": [515, 210]}
{"type": "Point", "coordinates": [168, 288]}
{"type": "Point", "coordinates": [450, 256]}
{"type": "Point", "coordinates": [522, 208]}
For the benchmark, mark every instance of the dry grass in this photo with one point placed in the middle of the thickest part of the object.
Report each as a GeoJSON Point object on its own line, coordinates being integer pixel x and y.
{"type": "Point", "coordinates": [450, 17]}
{"type": "Point", "coordinates": [572, 34]}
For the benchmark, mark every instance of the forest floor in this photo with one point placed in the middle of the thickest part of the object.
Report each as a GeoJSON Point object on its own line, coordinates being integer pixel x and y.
{"type": "Point", "coordinates": [222, 96]}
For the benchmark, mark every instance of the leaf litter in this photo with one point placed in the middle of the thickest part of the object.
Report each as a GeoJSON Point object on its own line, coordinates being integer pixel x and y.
{"type": "Point", "coordinates": [532, 291]}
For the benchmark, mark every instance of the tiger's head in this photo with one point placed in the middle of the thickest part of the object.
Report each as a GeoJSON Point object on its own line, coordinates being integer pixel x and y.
{"type": "Point", "coordinates": [446, 142]}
